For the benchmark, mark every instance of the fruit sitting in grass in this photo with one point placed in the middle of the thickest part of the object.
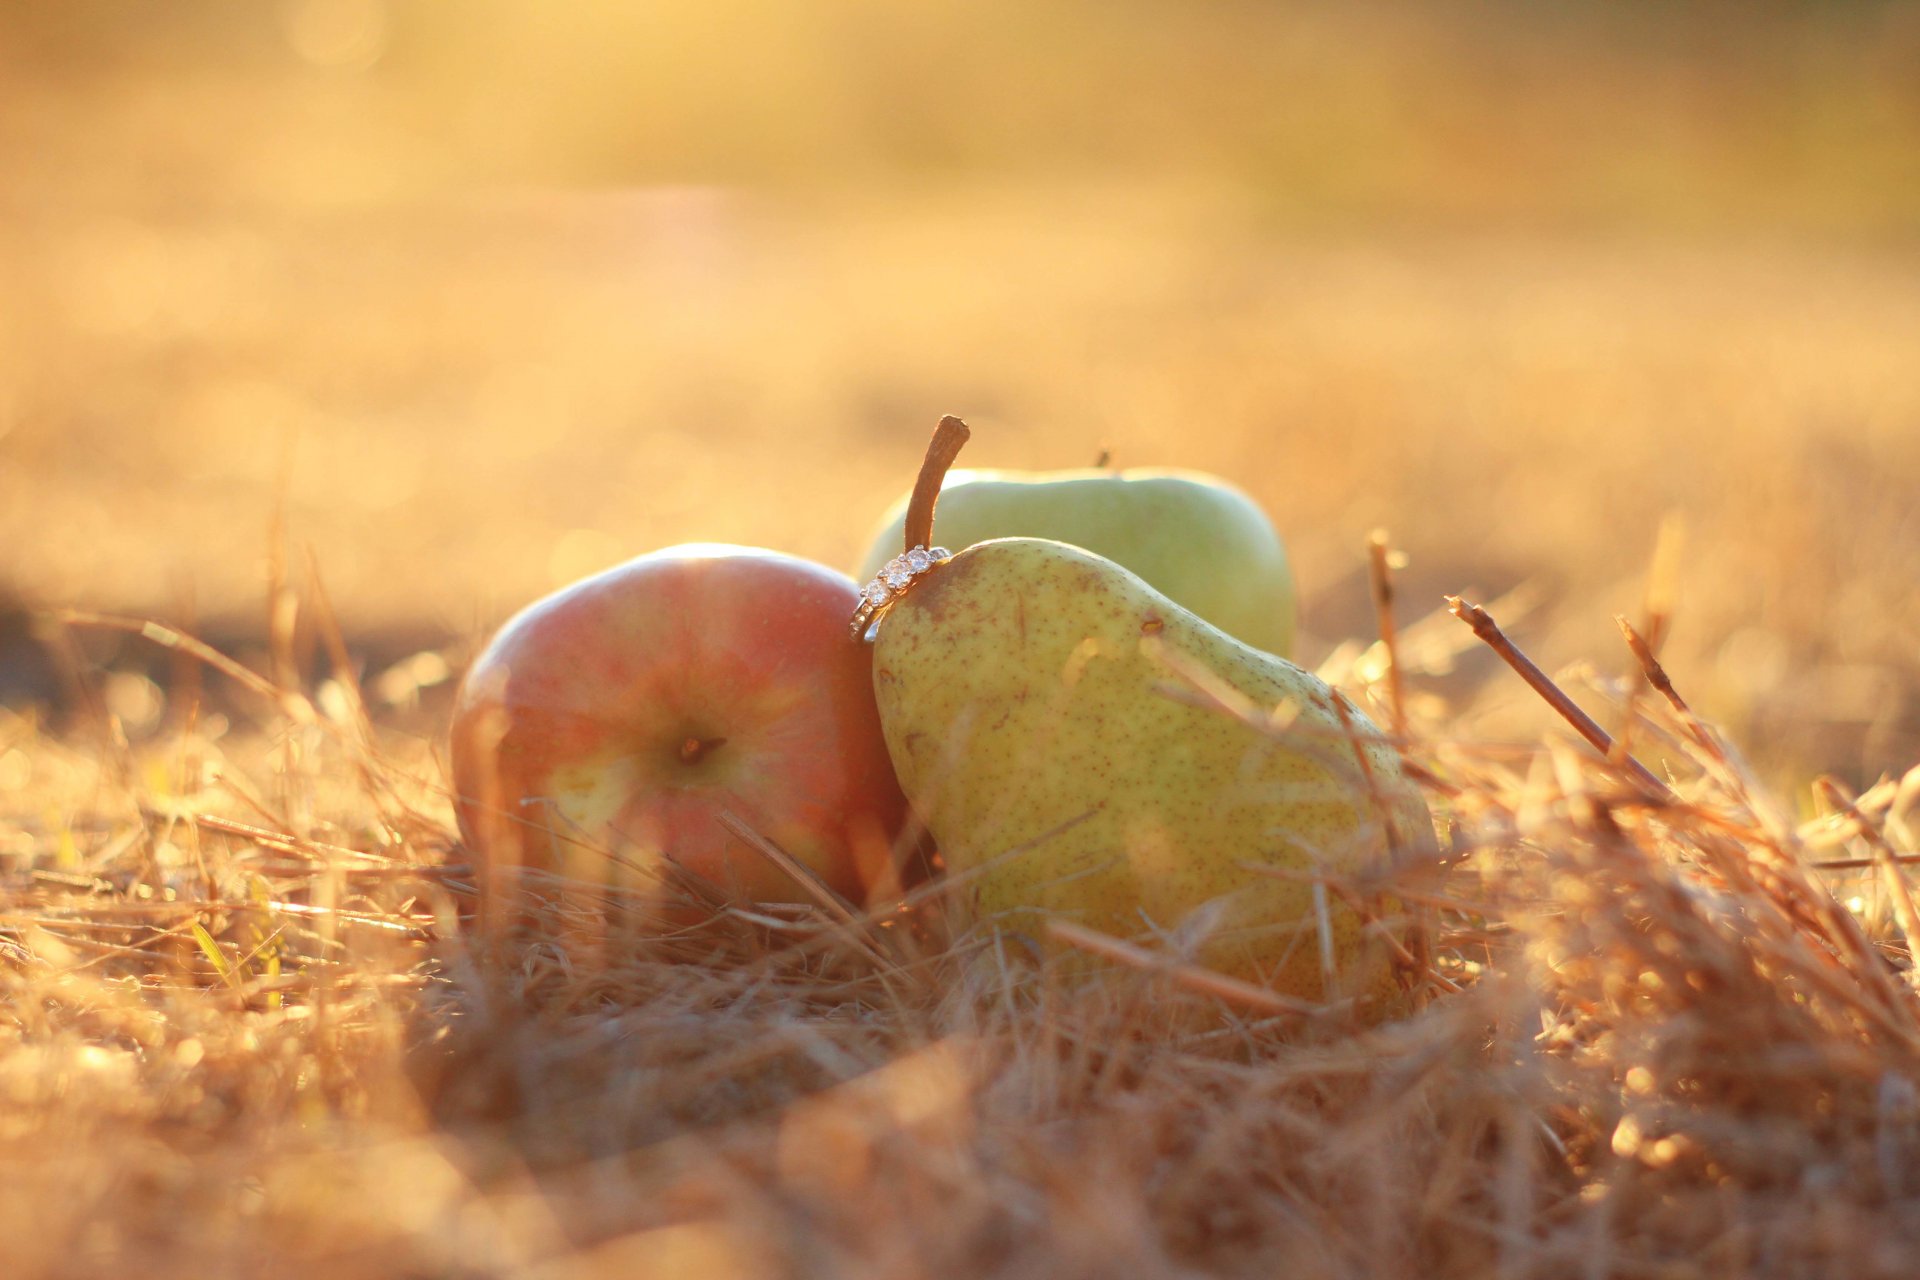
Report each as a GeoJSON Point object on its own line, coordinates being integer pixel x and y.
{"type": "Point", "coordinates": [1084, 749]}
{"type": "Point", "coordinates": [608, 729]}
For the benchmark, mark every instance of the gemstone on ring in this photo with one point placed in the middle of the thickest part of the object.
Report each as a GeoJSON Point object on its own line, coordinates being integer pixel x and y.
{"type": "Point", "coordinates": [892, 582]}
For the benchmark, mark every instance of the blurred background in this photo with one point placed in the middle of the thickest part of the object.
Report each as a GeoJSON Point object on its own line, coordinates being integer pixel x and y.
{"type": "Point", "coordinates": [461, 302]}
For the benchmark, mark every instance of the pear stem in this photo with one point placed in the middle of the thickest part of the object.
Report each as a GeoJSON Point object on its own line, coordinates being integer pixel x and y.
{"type": "Point", "coordinates": [949, 437]}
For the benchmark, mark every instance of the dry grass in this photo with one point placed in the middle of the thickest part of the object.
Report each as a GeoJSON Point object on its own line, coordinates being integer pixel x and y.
{"type": "Point", "coordinates": [244, 1032]}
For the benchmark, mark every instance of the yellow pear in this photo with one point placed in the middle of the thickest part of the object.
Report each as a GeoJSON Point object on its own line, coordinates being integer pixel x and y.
{"type": "Point", "coordinates": [1081, 747]}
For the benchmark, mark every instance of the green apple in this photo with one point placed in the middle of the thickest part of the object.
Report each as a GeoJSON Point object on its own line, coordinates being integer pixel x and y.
{"type": "Point", "coordinates": [1193, 537]}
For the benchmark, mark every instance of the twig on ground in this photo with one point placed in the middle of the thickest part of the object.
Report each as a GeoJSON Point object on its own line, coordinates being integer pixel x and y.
{"type": "Point", "coordinates": [1190, 976]}
{"type": "Point", "coordinates": [1488, 630]}
{"type": "Point", "coordinates": [1886, 859]}
{"type": "Point", "coordinates": [844, 913]}
{"type": "Point", "coordinates": [1380, 575]}
{"type": "Point", "coordinates": [1662, 588]}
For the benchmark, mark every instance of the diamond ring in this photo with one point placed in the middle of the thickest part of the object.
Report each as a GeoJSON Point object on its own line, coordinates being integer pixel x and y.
{"type": "Point", "coordinates": [891, 583]}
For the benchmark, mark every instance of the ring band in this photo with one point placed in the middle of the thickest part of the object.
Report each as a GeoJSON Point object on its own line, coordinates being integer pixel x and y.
{"type": "Point", "coordinates": [891, 583]}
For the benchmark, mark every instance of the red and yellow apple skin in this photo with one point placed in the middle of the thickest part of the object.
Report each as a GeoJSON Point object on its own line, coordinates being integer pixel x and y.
{"type": "Point", "coordinates": [606, 728]}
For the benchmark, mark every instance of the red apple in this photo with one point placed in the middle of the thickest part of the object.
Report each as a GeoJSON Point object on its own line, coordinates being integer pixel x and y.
{"type": "Point", "coordinates": [606, 728]}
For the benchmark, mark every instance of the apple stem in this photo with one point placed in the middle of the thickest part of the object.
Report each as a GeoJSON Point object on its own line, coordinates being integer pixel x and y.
{"type": "Point", "coordinates": [949, 437]}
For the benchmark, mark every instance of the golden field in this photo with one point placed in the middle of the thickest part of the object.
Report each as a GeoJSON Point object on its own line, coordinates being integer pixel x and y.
{"type": "Point", "coordinates": [377, 318]}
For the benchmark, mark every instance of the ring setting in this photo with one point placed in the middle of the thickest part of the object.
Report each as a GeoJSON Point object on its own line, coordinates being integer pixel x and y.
{"type": "Point", "coordinates": [891, 583]}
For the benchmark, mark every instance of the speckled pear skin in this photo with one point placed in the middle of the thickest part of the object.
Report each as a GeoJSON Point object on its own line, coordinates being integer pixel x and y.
{"type": "Point", "coordinates": [1025, 686]}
